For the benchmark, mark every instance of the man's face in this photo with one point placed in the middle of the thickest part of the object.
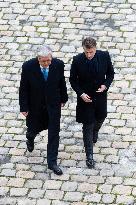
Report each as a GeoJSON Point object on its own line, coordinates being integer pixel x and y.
{"type": "Point", "coordinates": [45, 61]}
{"type": "Point", "coordinates": [89, 52]}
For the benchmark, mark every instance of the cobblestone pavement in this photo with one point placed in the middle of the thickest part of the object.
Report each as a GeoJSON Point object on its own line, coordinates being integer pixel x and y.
{"type": "Point", "coordinates": [24, 177]}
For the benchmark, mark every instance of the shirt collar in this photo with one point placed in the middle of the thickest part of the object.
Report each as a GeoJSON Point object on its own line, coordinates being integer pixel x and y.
{"type": "Point", "coordinates": [43, 67]}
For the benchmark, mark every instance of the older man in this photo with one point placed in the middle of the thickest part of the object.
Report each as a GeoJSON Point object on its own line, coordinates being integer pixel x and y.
{"type": "Point", "coordinates": [42, 93]}
{"type": "Point", "coordinates": [91, 75]}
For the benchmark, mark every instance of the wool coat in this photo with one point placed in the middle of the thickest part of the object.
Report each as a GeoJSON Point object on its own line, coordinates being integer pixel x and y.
{"type": "Point", "coordinates": [36, 94]}
{"type": "Point", "coordinates": [86, 76]}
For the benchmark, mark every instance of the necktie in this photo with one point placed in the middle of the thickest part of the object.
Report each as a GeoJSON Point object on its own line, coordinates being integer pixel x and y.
{"type": "Point", "coordinates": [45, 73]}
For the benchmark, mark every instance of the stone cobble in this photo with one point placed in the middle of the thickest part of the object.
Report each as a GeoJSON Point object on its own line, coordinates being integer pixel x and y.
{"type": "Point", "coordinates": [24, 177]}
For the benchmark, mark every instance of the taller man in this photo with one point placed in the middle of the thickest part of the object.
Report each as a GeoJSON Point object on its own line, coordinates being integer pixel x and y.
{"type": "Point", "coordinates": [91, 75]}
{"type": "Point", "coordinates": [42, 93]}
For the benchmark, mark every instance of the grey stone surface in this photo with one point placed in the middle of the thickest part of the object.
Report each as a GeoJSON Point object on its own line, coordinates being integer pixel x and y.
{"type": "Point", "coordinates": [24, 177]}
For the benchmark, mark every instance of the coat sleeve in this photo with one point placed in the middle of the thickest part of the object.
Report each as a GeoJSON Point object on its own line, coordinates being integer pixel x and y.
{"type": "Point", "coordinates": [24, 90]}
{"type": "Point", "coordinates": [109, 73]}
{"type": "Point", "coordinates": [63, 88]}
{"type": "Point", "coordinates": [74, 78]}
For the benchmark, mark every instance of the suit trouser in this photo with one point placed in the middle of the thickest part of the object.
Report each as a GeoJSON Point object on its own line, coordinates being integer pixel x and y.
{"type": "Point", "coordinates": [97, 126]}
{"type": "Point", "coordinates": [89, 134]}
{"type": "Point", "coordinates": [88, 139]}
{"type": "Point", "coordinates": [53, 133]}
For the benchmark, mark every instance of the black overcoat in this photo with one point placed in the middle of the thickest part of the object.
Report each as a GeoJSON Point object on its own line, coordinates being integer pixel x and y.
{"type": "Point", "coordinates": [36, 94]}
{"type": "Point", "coordinates": [87, 80]}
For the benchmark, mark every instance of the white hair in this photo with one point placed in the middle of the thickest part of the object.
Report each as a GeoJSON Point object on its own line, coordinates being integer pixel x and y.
{"type": "Point", "coordinates": [44, 50]}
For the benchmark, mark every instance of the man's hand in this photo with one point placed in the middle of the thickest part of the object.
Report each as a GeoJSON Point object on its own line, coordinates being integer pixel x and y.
{"type": "Point", "coordinates": [62, 104]}
{"type": "Point", "coordinates": [24, 113]}
{"type": "Point", "coordinates": [86, 98]}
{"type": "Point", "coordinates": [101, 89]}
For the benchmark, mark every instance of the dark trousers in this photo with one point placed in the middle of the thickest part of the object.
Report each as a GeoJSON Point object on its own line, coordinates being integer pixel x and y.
{"type": "Point", "coordinates": [97, 126]}
{"type": "Point", "coordinates": [88, 139]}
{"type": "Point", "coordinates": [90, 133]}
{"type": "Point", "coordinates": [53, 134]}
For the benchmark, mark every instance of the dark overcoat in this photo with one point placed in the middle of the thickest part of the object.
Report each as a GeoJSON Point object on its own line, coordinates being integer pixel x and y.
{"type": "Point", "coordinates": [36, 94]}
{"type": "Point", "coordinates": [86, 79]}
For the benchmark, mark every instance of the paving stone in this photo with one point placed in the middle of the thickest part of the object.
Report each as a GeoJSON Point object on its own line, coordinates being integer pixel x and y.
{"type": "Point", "coordinates": [43, 202]}
{"type": "Point", "coordinates": [35, 160]}
{"type": "Point", "coordinates": [105, 167]}
{"type": "Point", "coordinates": [54, 194]}
{"type": "Point", "coordinates": [8, 172]}
{"type": "Point", "coordinates": [15, 151]}
{"type": "Point", "coordinates": [125, 199]}
{"type": "Point", "coordinates": [16, 182]}
{"type": "Point", "coordinates": [33, 184]}
{"type": "Point", "coordinates": [52, 184]}
{"type": "Point", "coordinates": [4, 150]}
{"type": "Point", "coordinates": [7, 200]}
{"type": "Point", "coordinates": [36, 193]}
{"type": "Point", "coordinates": [25, 174]}
{"type": "Point", "coordinates": [58, 202]}
{"type": "Point", "coordinates": [18, 159]}
{"type": "Point", "coordinates": [26, 202]}
{"type": "Point", "coordinates": [96, 179]}
{"type": "Point", "coordinates": [7, 165]}
{"type": "Point", "coordinates": [120, 144]}
{"type": "Point", "coordinates": [79, 203]}
{"type": "Point", "coordinates": [18, 192]}
{"type": "Point", "coordinates": [73, 196]}
{"type": "Point", "coordinates": [134, 191]}
{"type": "Point", "coordinates": [69, 186]}
{"type": "Point", "coordinates": [109, 151]}
{"type": "Point", "coordinates": [93, 198]}
{"type": "Point", "coordinates": [114, 180]}
{"type": "Point", "coordinates": [112, 158]}
{"type": "Point", "coordinates": [3, 191]}
{"type": "Point", "coordinates": [86, 187]}
{"type": "Point", "coordinates": [68, 163]}
{"type": "Point", "coordinates": [22, 167]}
{"type": "Point", "coordinates": [3, 181]}
{"type": "Point", "coordinates": [120, 189]}
{"type": "Point", "coordinates": [63, 177]}
{"type": "Point", "coordinates": [80, 179]}
{"type": "Point", "coordinates": [129, 181]}
{"type": "Point", "coordinates": [108, 198]}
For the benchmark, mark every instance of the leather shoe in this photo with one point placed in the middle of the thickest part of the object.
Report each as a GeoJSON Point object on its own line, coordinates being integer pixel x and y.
{"type": "Point", "coordinates": [90, 162]}
{"type": "Point", "coordinates": [30, 145]}
{"type": "Point", "coordinates": [56, 169]}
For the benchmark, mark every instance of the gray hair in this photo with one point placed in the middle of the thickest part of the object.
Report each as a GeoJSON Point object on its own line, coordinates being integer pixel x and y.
{"type": "Point", "coordinates": [44, 50]}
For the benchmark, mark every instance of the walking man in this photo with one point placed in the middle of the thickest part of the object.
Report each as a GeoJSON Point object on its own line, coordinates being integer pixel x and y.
{"type": "Point", "coordinates": [42, 93]}
{"type": "Point", "coordinates": [91, 76]}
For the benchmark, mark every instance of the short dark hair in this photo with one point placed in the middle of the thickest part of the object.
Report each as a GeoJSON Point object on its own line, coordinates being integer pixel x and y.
{"type": "Point", "coordinates": [89, 42]}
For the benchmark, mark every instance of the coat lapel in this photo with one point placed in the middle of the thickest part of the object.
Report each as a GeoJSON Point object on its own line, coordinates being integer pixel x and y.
{"type": "Point", "coordinates": [50, 74]}
{"type": "Point", "coordinates": [97, 62]}
{"type": "Point", "coordinates": [38, 73]}
{"type": "Point", "coordinates": [94, 69]}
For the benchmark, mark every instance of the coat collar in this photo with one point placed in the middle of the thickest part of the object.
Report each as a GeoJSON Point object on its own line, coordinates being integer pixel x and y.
{"type": "Point", "coordinates": [95, 60]}
{"type": "Point", "coordinates": [39, 73]}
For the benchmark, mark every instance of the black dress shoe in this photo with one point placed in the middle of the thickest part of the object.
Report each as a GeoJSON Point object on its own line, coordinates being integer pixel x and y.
{"type": "Point", "coordinates": [30, 145]}
{"type": "Point", "coordinates": [56, 169]}
{"type": "Point", "coordinates": [90, 162]}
